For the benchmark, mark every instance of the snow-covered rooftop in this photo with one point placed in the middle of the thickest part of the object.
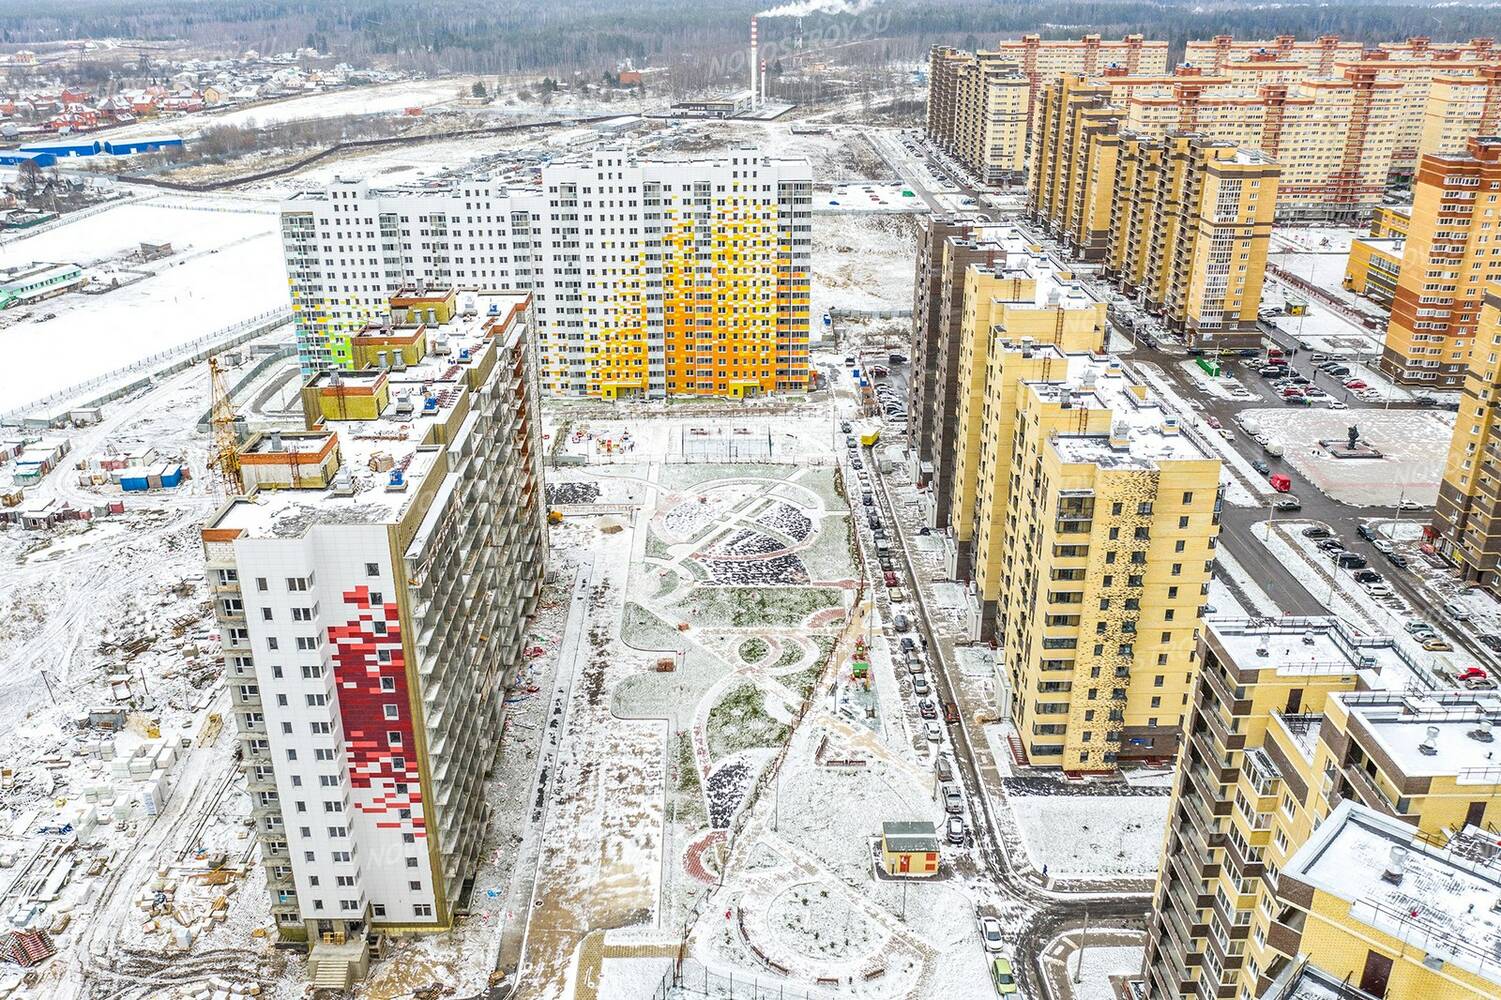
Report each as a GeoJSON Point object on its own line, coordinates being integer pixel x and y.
{"type": "Point", "coordinates": [1144, 432]}
{"type": "Point", "coordinates": [386, 458]}
{"type": "Point", "coordinates": [1442, 903]}
{"type": "Point", "coordinates": [1313, 646]}
{"type": "Point", "coordinates": [1433, 734]}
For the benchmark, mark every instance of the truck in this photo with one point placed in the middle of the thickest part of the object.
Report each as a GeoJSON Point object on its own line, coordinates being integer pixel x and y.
{"type": "Point", "coordinates": [1280, 483]}
{"type": "Point", "coordinates": [869, 438]}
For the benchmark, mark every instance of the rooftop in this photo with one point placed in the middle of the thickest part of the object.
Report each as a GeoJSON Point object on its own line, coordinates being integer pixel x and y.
{"type": "Point", "coordinates": [1443, 903]}
{"type": "Point", "coordinates": [1431, 734]}
{"type": "Point", "coordinates": [383, 461]}
{"type": "Point", "coordinates": [1317, 646]}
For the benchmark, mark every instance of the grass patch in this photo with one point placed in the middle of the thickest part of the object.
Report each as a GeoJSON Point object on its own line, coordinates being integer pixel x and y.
{"type": "Point", "coordinates": [742, 607]}
{"type": "Point", "coordinates": [740, 722]}
{"type": "Point", "coordinates": [689, 801]}
{"type": "Point", "coordinates": [754, 650]}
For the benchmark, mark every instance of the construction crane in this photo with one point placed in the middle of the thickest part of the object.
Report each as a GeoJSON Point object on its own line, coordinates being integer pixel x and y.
{"type": "Point", "coordinates": [224, 455]}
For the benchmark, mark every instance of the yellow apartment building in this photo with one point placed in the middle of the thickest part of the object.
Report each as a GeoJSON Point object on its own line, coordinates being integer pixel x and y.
{"type": "Point", "coordinates": [1447, 261]}
{"type": "Point", "coordinates": [1391, 221]}
{"type": "Point", "coordinates": [978, 109]}
{"type": "Point", "coordinates": [1461, 107]}
{"type": "Point", "coordinates": [1015, 298]}
{"type": "Point", "coordinates": [1090, 525]}
{"type": "Point", "coordinates": [1318, 55]}
{"type": "Point", "coordinates": [1466, 527]}
{"type": "Point", "coordinates": [1291, 717]}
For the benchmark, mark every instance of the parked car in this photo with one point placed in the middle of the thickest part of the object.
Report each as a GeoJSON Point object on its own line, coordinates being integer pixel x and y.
{"type": "Point", "coordinates": [899, 622]}
{"type": "Point", "coordinates": [1355, 383]}
{"type": "Point", "coordinates": [920, 686]}
{"type": "Point", "coordinates": [1331, 545]}
{"type": "Point", "coordinates": [927, 709]}
{"type": "Point", "coordinates": [890, 578]}
{"type": "Point", "coordinates": [933, 731]}
{"type": "Point", "coordinates": [990, 935]}
{"type": "Point", "coordinates": [950, 713]}
{"type": "Point", "coordinates": [1002, 978]}
{"type": "Point", "coordinates": [1415, 625]}
{"type": "Point", "coordinates": [1458, 612]}
{"type": "Point", "coordinates": [1261, 467]}
{"type": "Point", "coordinates": [907, 644]}
{"type": "Point", "coordinates": [943, 767]}
{"type": "Point", "coordinates": [1437, 645]}
{"type": "Point", "coordinates": [845, 428]}
{"type": "Point", "coordinates": [1364, 531]}
{"type": "Point", "coordinates": [1367, 576]}
{"type": "Point", "coordinates": [954, 830]}
{"type": "Point", "coordinates": [953, 802]}
{"type": "Point", "coordinates": [1351, 560]}
{"type": "Point", "coordinates": [1287, 502]}
{"type": "Point", "coordinates": [1317, 531]}
{"type": "Point", "coordinates": [1383, 546]}
{"type": "Point", "coordinates": [1379, 590]}
{"type": "Point", "coordinates": [1397, 559]}
{"type": "Point", "coordinates": [1490, 641]}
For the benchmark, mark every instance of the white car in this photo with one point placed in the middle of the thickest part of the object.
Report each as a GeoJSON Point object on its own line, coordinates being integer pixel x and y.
{"type": "Point", "coordinates": [1379, 590]}
{"type": "Point", "coordinates": [1458, 612]}
{"type": "Point", "coordinates": [933, 731]}
{"type": "Point", "coordinates": [990, 934]}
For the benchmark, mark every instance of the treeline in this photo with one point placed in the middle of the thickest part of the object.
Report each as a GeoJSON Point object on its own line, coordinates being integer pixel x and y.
{"type": "Point", "coordinates": [703, 43]}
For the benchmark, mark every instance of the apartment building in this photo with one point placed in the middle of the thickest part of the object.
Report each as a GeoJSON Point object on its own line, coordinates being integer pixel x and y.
{"type": "Point", "coordinates": [1447, 260]}
{"type": "Point", "coordinates": [1182, 222]}
{"type": "Point", "coordinates": [1316, 56]}
{"type": "Point", "coordinates": [1044, 60]}
{"type": "Point", "coordinates": [1391, 221]}
{"type": "Point", "coordinates": [373, 587]}
{"type": "Point", "coordinates": [650, 277]}
{"type": "Point", "coordinates": [978, 109]}
{"type": "Point", "coordinates": [1466, 526]}
{"type": "Point", "coordinates": [1373, 268]}
{"type": "Point", "coordinates": [1461, 107]}
{"type": "Point", "coordinates": [1089, 525]}
{"type": "Point", "coordinates": [1290, 718]}
{"type": "Point", "coordinates": [1011, 302]}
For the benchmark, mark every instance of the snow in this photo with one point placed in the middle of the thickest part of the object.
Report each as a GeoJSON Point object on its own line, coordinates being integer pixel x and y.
{"type": "Point", "coordinates": [1092, 836]}
{"type": "Point", "coordinates": [1098, 965]}
{"type": "Point", "coordinates": [187, 296]}
{"type": "Point", "coordinates": [863, 262]}
{"type": "Point", "coordinates": [1413, 444]}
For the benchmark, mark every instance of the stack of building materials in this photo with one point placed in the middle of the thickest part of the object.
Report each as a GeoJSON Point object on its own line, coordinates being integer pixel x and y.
{"type": "Point", "coordinates": [26, 948]}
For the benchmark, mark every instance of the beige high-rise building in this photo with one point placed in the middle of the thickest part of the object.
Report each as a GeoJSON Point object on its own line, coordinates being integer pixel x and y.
{"type": "Point", "coordinates": [1460, 108]}
{"type": "Point", "coordinates": [1447, 260]}
{"type": "Point", "coordinates": [1083, 523]}
{"type": "Point", "coordinates": [1467, 516]}
{"type": "Point", "coordinates": [1222, 53]}
{"type": "Point", "coordinates": [1272, 885]}
{"type": "Point", "coordinates": [1044, 60]}
{"type": "Point", "coordinates": [978, 107]}
{"type": "Point", "coordinates": [1182, 222]}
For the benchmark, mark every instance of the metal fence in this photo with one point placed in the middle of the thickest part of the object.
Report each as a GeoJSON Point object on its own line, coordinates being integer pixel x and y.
{"type": "Point", "coordinates": [694, 979]}
{"type": "Point", "coordinates": [163, 362]}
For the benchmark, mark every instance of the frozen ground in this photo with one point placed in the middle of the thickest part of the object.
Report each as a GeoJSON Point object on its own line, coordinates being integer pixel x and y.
{"type": "Point", "coordinates": [862, 262]}
{"type": "Point", "coordinates": [1413, 445]}
{"type": "Point", "coordinates": [226, 267]}
{"type": "Point", "coordinates": [1092, 836]}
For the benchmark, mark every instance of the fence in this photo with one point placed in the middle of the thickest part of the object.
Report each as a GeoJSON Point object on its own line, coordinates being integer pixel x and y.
{"type": "Point", "coordinates": [65, 219]}
{"type": "Point", "coordinates": [196, 351]}
{"type": "Point", "coordinates": [694, 979]}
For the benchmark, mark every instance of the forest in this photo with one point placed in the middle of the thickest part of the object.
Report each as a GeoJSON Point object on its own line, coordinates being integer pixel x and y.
{"type": "Point", "coordinates": [701, 43]}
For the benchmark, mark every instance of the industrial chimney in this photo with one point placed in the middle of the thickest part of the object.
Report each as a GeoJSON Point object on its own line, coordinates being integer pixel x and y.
{"type": "Point", "coordinates": [754, 63]}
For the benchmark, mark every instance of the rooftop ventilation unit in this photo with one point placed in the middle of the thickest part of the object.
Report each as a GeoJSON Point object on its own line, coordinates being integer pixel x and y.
{"type": "Point", "coordinates": [1482, 732]}
{"type": "Point", "coordinates": [1396, 866]}
{"type": "Point", "coordinates": [1429, 746]}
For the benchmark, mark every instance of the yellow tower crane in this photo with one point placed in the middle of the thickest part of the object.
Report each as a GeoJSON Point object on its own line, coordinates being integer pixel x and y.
{"type": "Point", "coordinates": [225, 454]}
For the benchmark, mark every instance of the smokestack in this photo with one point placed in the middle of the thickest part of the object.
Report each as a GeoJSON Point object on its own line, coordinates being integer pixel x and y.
{"type": "Point", "coordinates": [763, 81]}
{"type": "Point", "coordinates": [753, 65]}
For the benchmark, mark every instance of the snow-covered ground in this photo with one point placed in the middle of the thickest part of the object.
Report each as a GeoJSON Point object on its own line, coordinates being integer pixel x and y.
{"type": "Point", "coordinates": [226, 267]}
{"type": "Point", "coordinates": [1413, 446]}
{"type": "Point", "coordinates": [1092, 836]}
{"type": "Point", "coordinates": [862, 262]}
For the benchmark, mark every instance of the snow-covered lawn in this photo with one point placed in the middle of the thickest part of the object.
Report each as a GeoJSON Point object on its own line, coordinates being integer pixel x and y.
{"type": "Point", "coordinates": [1413, 445]}
{"type": "Point", "coordinates": [862, 262]}
{"type": "Point", "coordinates": [226, 267]}
{"type": "Point", "coordinates": [1092, 836]}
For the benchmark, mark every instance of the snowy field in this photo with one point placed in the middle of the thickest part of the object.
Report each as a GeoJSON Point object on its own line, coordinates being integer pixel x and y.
{"type": "Point", "coordinates": [869, 198]}
{"type": "Point", "coordinates": [379, 99]}
{"type": "Point", "coordinates": [1092, 836]}
{"type": "Point", "coordinates": [226, 267]}
{"type": "Point", "coordinates": [1413, 444]}
{"type": "Point", "coordinates": [862, 262]}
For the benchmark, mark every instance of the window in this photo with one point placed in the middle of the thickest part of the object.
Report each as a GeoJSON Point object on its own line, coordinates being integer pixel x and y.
{"type": "Point", "coordinates": [422, 910]}
{"type": "Point", "coordinates": [265, 614]}
{"type": "Point", "coordinates": [271, 642]}
{"type": "Point", "coordinates": [378, 909]}
{"type": "Point", "coordinates": [411, 862]}
{"type": "Point", "coordinates": [391, 711]}
{"type": "Point", "coordinates": [393, 738]}
{"type": "Point", "coordinates": [372, 569]}
{"type": "Point", "coordinates": [388, 684]}
{"type": "Point", "coordinates": [414, 885]}
{"type": "Point", "coordinates": [260, 583]}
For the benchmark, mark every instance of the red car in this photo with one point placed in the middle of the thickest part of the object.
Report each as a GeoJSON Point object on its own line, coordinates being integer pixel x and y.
{"type": "Point", "coordinates": [1355, 383]}
{"type": "Point", "coordinates": [1472, 673]}
{"type": "Point", "coordinates": [1291, 392]}
{"type": "Point", "coordinates": [950, 713]}
{"type": "Point", "coordinates": [890, 578]}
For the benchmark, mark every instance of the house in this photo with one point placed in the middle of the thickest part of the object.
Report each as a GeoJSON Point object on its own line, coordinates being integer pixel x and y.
{"type": "Point", "coordinates": [214, 95]}
{"type": "Point", "coordinates": [909, 848]}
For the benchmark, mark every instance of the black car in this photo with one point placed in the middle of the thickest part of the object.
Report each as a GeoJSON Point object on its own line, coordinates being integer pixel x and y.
{"type": "Point", "coordinates": [1261, 467]}
{"type": "Point", "coordinates": [845, 427]}
{"type": "Point", "coordinates": [1298, 378]}
{"type": "Point", "coordinates": [1331, 545]}
{"type": "Point", "coordinates": [1365, 532]}
{"type": "Point", "coordinates": [1490, 641]}
{"type": "Point", "coordinates": [1317, 531]}
{"type": "Point", "coordinates": [1338, 371]}
{"type": "Point", "coordinates": [1367, 576]}
{"type": "Point", "coordinates": [1270, 371]}
{"type": "Point", "coordinates": [1351, 560]}
{"type": "Point", "coordinates": [1397, 559]}
{"type": "Point", "coordinates": [1425, 401]}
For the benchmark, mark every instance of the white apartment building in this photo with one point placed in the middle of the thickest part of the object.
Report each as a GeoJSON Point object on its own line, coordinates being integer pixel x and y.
{"type": "Point", "coordinates": [372, 589]}
{"type": "Point", "coordinates": [649, 277]}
